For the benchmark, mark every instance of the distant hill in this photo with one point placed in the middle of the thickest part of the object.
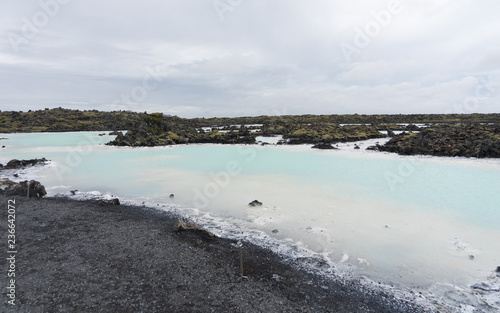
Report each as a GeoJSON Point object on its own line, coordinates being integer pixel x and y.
{"type": "Point", "coordinates": [59, 119]}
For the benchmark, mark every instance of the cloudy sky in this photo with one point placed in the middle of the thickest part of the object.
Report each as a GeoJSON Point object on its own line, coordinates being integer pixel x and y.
{"type": "Point", "coordinates": [203, 58]}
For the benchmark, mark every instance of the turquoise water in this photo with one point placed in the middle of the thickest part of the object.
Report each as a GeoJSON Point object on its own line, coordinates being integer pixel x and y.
{"type": "Point", "coordinates": [414, 220]}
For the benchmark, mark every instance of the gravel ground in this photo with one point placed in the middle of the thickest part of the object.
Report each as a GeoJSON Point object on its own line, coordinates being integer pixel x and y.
{"type": "Point", "coordinates": [85, 256]}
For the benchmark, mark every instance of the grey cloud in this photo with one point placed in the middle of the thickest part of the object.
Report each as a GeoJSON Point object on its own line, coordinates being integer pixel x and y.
{"type": "Point", "coordinates": [263, 57]}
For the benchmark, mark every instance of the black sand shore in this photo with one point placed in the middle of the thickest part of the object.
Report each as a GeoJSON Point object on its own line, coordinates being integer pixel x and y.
{"type": "Point", "coordinates": [75, 256]}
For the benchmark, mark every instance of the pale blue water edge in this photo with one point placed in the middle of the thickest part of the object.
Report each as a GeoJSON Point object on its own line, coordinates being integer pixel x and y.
{"type": "Point", "coordinates": [407, 220]}
{"type": "Point", "coordinates": [458, 190]}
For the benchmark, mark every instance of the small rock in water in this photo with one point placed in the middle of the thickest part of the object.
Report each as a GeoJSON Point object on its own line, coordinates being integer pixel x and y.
{"type": "Point", "coordinates": [73, 192]}
{"type": "Point", "coordinates": [275, 231]}
{"type": "Point", "coordinates": [471, 257]}
{"type": "Point", "coordinates": [386, 226]}
{"type": "Point", "coordinates": [255, 203]}
{"type": "Point", "coordinates": [171, 195]}
{"type": "Point", "coordinates": [498, 271]}
{"type": "Point", "coordinates": [323, 146]}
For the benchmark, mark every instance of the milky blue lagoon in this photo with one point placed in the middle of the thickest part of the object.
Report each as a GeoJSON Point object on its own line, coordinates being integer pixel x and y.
{"type": "Point", "coordinates": [425, 223]}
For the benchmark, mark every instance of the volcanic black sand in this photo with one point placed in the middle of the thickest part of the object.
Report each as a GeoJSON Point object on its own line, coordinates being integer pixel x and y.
{"type": "Point", "coordinates": [85, 256]}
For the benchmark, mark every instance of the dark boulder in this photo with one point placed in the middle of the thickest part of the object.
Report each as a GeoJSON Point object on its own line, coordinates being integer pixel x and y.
{"type": "Point", "coordinates": [114, 201]}
{"type": "Point", "coordinates": [374, 148]}
{"type": "Point", "coordinates": [255, 203]}
{"type": "Point", "coordinates": [33, 188]}
{"type": "Point", "coordinates": [17, 164]}
{"type": "Point", "coordinates": [181, 226]}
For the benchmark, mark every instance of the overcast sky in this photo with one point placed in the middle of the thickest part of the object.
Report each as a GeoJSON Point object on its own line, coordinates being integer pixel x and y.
{"type": "Point", "coordinates": [203, 58]}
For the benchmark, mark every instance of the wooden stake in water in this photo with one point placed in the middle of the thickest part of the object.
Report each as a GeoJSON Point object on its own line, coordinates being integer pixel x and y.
{"type": "Point", "coordinates": [241, 257]}
{"type": "Point", "coordinates": [241, 261]}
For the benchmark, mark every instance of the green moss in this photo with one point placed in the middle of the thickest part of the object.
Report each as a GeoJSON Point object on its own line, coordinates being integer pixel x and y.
{"type": "Point", "coordinates": [173, 136]}
{"type": "Point", "coordinates": [327, 137]}
{"type": "Point", "coordinates": [215, 133]}
{"type": "Point", "coordinates": [300, 132]}
{"type": "Point", "coordinates": [410, 135]}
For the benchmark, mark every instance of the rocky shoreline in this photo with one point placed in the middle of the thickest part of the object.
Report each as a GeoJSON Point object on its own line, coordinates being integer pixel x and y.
{"type": "Point", "coordinates": [469, 140]}
{"type": "Point", "coordinates": [467, 135]}
{"type": "Point", "coordinates": [90, 256]}
{"type": "Point", "coordinates": [25, 188]}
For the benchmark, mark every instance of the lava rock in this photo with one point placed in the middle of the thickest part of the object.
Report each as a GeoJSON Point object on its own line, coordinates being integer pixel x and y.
{"type": "Point", "coordinates": [373, 148]}
{"type": "Point", "coordinates": [114, 201]}
{"type": "Point", "coordinates": [10, 188]}
{"type": "Point", "coordinates": [324, 146]}
{"type": "Point", "coordinates": [255, 203]}
{"type": "Point", "coordinates": [468, 140]}
{"type": "Point", "coordinates": [181, 226]}
{"type": "Point", "coordinates": [17, 164]}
